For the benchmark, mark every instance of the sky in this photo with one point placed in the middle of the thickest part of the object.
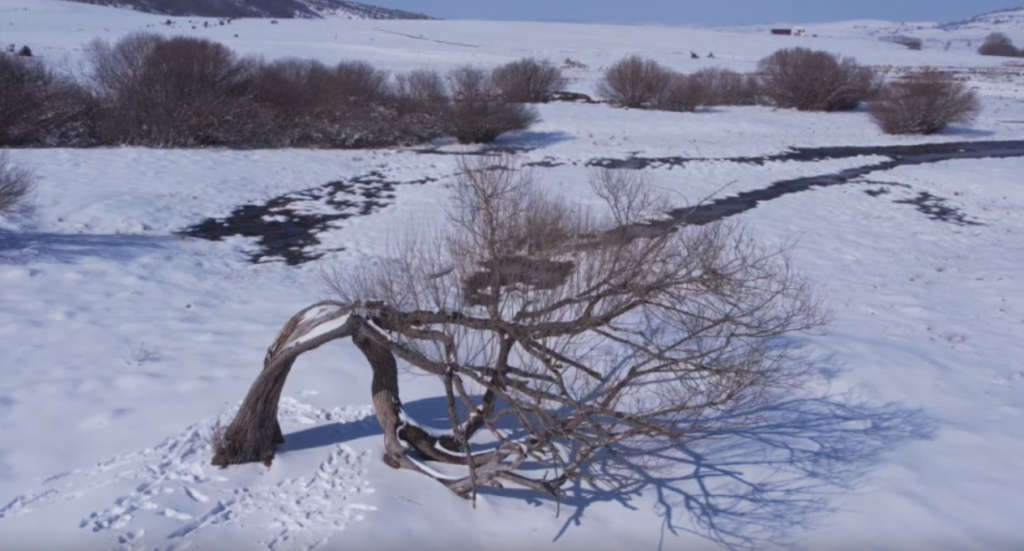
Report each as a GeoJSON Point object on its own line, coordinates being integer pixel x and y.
{"type": "Point", "coordinates": [701, 12]}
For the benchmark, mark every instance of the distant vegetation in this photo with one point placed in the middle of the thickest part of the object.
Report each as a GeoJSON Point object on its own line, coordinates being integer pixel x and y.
{"type": "Point", "coordinates": [910, 42]}
{"type": "Point", "coordinates": [795, 78]}
{"type": "Point", "coordinates": [998, 44]}
{"type": "Point", "coordinates": [641, 83]}
{"type": "Point", "coordinates": [153, 91]}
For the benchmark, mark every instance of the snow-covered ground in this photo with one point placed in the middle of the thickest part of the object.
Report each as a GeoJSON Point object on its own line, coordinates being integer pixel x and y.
{"type": "Point", "coordinates": [121, 343]}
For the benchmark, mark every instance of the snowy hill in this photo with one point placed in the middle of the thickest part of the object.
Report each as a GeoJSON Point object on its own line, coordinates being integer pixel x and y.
{"type": "Point", "coordinates": [1002, 20]}
{"type": "Point", "coordinates": [285, 9]}
{"type": "Point", "coordinates": [123, 341]}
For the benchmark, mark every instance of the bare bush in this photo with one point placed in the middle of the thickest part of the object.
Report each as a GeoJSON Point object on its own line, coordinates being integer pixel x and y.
{"type": "Point", "coordinates": [478, 112]}
{"type": "Point", "coordinates": [41, 108]}
{"type": "Point", "coordinates": [998, 44]}
{"type": "Point", "coordinates": [811, 80]}
{"type": "Point", "coordinates": [170, 92]}
{"type": "Point", "coordinates": [925, 103]}
{"type": "Point", "coordinates": [16, 185]}
{"type": "Point", "coordinates": [529, 80]}
{"type": "Point", "coordinates": [725, 87]}
{"type": "Point", "coordinates": [423, 87]}
{"type": "Point", "coordinates": [358, 82]}
{"type": "Point", "coordinates": [584, 344]}
{"type": "Point", "coordinates": [911, 42]}
{"type": "Point", "coordinates": [634, 82]}
{"type": "Point", "coordinates": [683, 93]}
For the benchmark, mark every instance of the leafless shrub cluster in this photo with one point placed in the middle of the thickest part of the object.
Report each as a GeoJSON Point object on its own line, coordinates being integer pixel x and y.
{"type": "Point", "coordinates": [304, 103]}
{"type": "Point", "coordinates": [682, 93]}
{"type": "Point", "coordinates": [998, 44]}
{"type": "Point", "coordinates": [176, 92]}
{"type": "Point", "coordinates": [643, 83]}
{"type": "Point", "coordinates": [911, 42]}
{"type": "Point", "coordinates": [478, 111]}
{"type": "Point", "coordinates": [150, 90]}
{"type": "Point", "coordinates": [812, 80]}
{"type": "Point", "coordinates": [635, 82]}
{"type": "Point", "coordinates": [924, 103]}
{"type": "Point", "coordinates": [725, 87]}
{"type": "Point", "coordinates": [582, 343]}
{"type": "Point", "coordinates": [16, 185]}
{"type": "Point", "coordinates": [529, 80]}
{"type": "Point", "coordinates": [41, 108]}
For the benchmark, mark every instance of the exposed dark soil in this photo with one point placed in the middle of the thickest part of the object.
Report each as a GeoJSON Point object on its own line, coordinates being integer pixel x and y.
{"type": "Point", "coordinates": [286, 226]}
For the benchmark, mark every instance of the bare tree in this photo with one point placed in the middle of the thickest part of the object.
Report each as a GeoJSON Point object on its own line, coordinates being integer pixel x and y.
{"type": "Point", "coordinates": [529, 80]}
{"type": "Point", "coordinates": [478, 112]}
{"type": "Point", "coordinates": [16, 185]}
{"type": "Point", "coordinates": [684, 93]}
{"type": "Point", "coordinates": [813, 80]}
{"type": "Point", "coordinates": [924, 103]}
{"type": "Point", "coordinates": [998, 44]}
{"type": "Point", "coordinates": [634, 82]}
{"type": "Point", "coordinates": [725, 87]}
{"type": "Point", "coordinates": [577, 341]}
{"type": "Point", "coordinates": [39, 107]}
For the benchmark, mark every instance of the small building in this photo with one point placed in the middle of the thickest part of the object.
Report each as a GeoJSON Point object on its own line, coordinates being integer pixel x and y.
{"type": "Point", "coordinates": [795, 31]}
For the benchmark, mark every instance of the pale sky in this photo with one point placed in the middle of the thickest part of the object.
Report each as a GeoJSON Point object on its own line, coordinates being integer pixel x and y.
{"type": "Point", "coordinates": [701, 12]}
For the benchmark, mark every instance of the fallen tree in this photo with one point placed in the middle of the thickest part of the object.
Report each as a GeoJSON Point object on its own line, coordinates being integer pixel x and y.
{"type": "Point", "coordinates": [571, 339]}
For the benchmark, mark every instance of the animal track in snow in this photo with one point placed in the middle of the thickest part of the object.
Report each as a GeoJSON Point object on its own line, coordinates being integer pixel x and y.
{"type": "Point", "coordinates": [172, 484]}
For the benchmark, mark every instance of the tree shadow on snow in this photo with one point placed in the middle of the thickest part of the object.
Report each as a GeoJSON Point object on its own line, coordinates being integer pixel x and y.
{"type": "Point", "coordinates": [751, 487]}
{"type": "Point", "coordinates": [330, 435]}
{"type": "Point", "coordinates": [67, 248]}
{"type": "Point", "coordinates": [965, 132]}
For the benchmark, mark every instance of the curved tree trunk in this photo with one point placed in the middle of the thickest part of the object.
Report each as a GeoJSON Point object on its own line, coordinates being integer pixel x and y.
{"type": "Point", "coordinates": [255, 431]}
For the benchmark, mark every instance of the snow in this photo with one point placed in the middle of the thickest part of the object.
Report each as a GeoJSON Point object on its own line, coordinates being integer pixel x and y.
{"type": "Point", "coordinates": [918, 405]}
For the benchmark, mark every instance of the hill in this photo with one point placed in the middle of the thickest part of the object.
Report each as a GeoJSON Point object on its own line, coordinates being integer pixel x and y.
{"type": "Point", "coordinates": [284, 9]}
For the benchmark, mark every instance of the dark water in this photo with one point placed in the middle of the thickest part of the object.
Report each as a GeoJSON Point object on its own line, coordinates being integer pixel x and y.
{"type": "Point", "coordinates": [286, 228]}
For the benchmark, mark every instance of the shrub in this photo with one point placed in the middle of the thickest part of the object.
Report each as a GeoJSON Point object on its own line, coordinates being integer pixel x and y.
{"type": "Point", "coordinates": [923, 104]}
{"type": "Point", "coordinates": [912, 43]}
{"type": "Point", "coordinates": [998, 44]}
{"type": "Point", "coordinates": [725, 87]}
{"type": "Point", "coordinates": [478, 112]}
{"type": "Point", "coordinates": [41, 108]}
{"type": "Point", "coordinates": [356, 82]}
{"type": "Point", "coordinates": [422, 87]}
{"type": "Point", "coordinates": [810, 80]}
{"type": "Point", "coordinates": [683, 93]}
{"type": "Point", "coordinates": [16, 185]}
{"type": "Point", "coordinates": [634, 82]}
{"type": "Point", "coordinates": [529, 80]}
{"type": "Point", "coordinates": [170, 92]}
{"type": "Point", "coordinates": [25, 51]}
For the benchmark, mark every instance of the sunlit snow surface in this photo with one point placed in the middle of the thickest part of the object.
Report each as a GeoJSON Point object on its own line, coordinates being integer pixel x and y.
{"type": "Point", "coordinates": [122, 343]}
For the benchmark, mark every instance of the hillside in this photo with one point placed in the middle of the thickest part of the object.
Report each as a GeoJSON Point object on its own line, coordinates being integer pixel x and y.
{"type": "Point", "coordinates": [1011, 19]}
{"type": "Point", "coordinates": [284, 9]}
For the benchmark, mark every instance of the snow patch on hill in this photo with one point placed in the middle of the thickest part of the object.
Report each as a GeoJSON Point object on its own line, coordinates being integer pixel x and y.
{"type": "Point", "coordinates": [285, 9]}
